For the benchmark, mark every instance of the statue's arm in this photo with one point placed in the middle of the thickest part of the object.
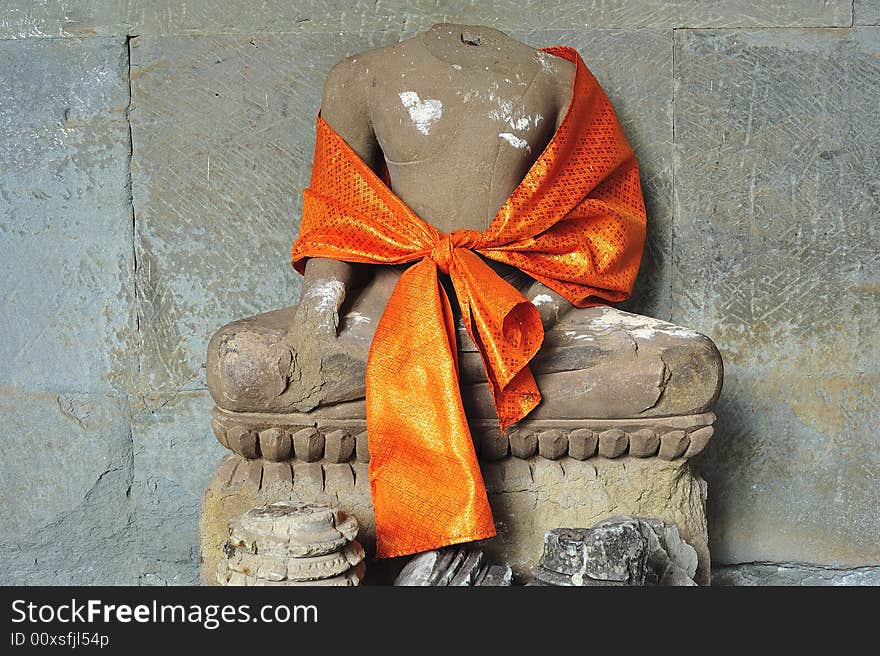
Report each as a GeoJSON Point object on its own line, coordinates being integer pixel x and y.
{"type": "Point", "coordinates": [550, 305]}
{"type": "Point", "coordinates": [345, 108]}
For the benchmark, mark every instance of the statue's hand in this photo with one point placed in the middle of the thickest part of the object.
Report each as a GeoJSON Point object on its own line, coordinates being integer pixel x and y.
{"type": "Point", "coordinates": [317, 315]}
{"type": "Point", "coordinates": [312, 333]}
{"type": "Point", "coordinates": [550, 305]}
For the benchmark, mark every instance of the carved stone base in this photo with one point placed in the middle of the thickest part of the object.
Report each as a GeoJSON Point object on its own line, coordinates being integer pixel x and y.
{"type": "Point", "coordinates": [528, 497]}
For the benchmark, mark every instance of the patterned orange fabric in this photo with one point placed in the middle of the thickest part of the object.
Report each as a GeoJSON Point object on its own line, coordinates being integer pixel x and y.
{"type": "Point", "coordinates": [576, 223]}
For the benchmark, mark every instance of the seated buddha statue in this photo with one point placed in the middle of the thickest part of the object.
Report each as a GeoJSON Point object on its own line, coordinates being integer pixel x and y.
{"type": "Point", "coordinates": [457, 115]}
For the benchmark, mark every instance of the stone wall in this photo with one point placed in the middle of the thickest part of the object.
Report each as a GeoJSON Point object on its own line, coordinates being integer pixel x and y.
{"type": "Point", "coordinates": [152, 156]}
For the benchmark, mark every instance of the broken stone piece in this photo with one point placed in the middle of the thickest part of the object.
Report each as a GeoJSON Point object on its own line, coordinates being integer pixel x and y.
{"type": "Point", "coordinates": [226, 576]}
{"type": "Point", "coordinates": [552, 444]}
{"type": "Point", "coordinates": [310, 568]}
{"type": "Point", "coordinates": [275, 444]}
{"type": "Point", "coordinates": [618, 551]}
{"type": "Point", "coordinates": [453, 566]}
{"type": "Point", "coordinates": [673, 445]}
{"type": "Point", "coordinates": [289, 528]}
{"type": "Point", "coordinates": [338, 446]}
{"type": "Point", "coordinates": [612, 443]}
{"type": "Point", "coordinates": [308, 444]}
{"type": "Point", "coordinates": [582, 443]}
{"type": "Point", "coordinates": [523, 444]}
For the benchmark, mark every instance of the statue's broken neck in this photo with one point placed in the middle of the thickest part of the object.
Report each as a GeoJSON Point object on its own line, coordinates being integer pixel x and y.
{"type": "Point", "coordinates": [467, 46]}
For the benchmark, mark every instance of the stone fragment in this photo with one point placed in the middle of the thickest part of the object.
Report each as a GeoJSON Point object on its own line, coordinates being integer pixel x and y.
{"type": "Point", "coordinates": [275, 444]}
{"type": "Point", "coordinates": [308, 444]}
{"type": "Point", "coordinates": [453, 566]}
{"type": "Point", "coordinates": [494, 445]}
{"type": "Point", "coordinates": [338, 446]}
{"type": "Point", "coordinates": [362, 447]}
{"type": "Point", "coordinates": [219, 432]}
{"type": "Point", "coordinates": [673, 445]}
{"type": "Point", "coordinates": [524, 506]}
{"type": "Point", "coordinates": [227, 576]}
{"type": "Point", "coordinates": [243, 441]}
{"type": "Point", "coordinates": [582, 443]}
{"type": "Point", "coordinates": [617, 551]}
{"type": "Point", "coordinates": [303, 568]}
{"type": "Point", "coordinates": [552, 444]}
{"type": "Point", "coordinates": [604, 555]}
{"type": "Point", "coordinates": [276, 473]}
{"type": "Point", "coordinates": [698, 440]}
{"type": "Point", "coordinates": [612, 443]}
{"type": "Point", "coordinates": [523, 443]}
{"type": "Point", "coordinates": [643, 443]}
{"type": "Point", "coordinates": [292, 529]}
{"type": "Point", "coordinates": [339, 477]}
{"type": "Point", "coordinates": [496, 576]}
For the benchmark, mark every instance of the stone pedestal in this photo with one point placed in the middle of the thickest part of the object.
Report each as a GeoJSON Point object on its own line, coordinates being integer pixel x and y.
{"type": "Point", "coordinates": [528, 497]}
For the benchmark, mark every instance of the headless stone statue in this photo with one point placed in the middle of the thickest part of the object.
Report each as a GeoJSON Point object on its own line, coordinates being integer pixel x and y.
{"type": "Point", "coordinates": [459, 114]}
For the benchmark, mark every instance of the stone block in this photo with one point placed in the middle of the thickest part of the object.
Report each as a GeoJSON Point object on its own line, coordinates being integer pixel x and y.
{"type": "Point", "coordinates": [866, 12]}
{"type": "Point", "coordinates": [758, 574]}
{"type": "Point", "coordinates": [564, 492]}
{"type": "Point", "coordinates": [66, 264]}
{"type": "Point", "coordinates": [66, 512]}
{"type": "Point", "coordinates": [88, 17]}
{"type": "Point", "coordinates": [175, 455]}
{"type": "Point", "coordinates": [776, 151]}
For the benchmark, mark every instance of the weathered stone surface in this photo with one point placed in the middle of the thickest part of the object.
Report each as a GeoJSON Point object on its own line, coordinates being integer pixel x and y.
{"type": "Point", "coordinates": [275, 444]}
{"type": "Point", "coordinates": [523, 443]}
{"type": "Point", "coordinates": [455, 566]}
{"type": "Point", "coordinates": [753, 574]}
{"type": "Point", "coordinates": [362, 448]}
{"type": "Point", "coordinates": [494, 445]}
{"type": "Point", "coordinates": [527, 499]}
{"type": "Point", "coordinates": [612, 443]}
{"type": "Point", "coordinates": [338, 446]}
{"type": "Point", "coordinates": [617, 551]}
{"type": "Point", "coordinates": [22, 18]}
{"type": "Point", "coordinates": [552, 444]}
{"type": "Point", "coordinates": [303, 568]}
{"type": "Point", "coordinates": [64, 503]}
{"type": "Point", "coordinates": [175, 455]}
{"type": "Point", "coordinates": [227, 576]}
{"type": "Point", "coordinates": [605, 555]}
{"type": "Point", "coordinates": [777, 144]}
{"type": "Point", "coordinates": [66, 266]}
{"type": "Point", "coordinates": [643, 443]}
{"type": "Point", "coordinates": [582, 443]}
{"type": "Point", "coordinates": [866, 12]}
{"type": "Point", "coordinates": [308, 445]}
{"type": "Point", "coordinates": [228, 496]}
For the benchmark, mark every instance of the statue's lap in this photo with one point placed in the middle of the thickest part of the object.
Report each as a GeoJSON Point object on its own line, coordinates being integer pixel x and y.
{"type": "Point", "coordinates": [594, 362]}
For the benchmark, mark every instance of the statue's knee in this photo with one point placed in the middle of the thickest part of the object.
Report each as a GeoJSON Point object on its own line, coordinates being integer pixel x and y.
{"type": "Point", "coordinates": [245, 364]}
{"type": "Point", "coordinates": [695, 367]}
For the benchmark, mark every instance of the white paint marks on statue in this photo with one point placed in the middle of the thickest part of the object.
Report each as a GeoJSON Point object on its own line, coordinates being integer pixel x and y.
{"type": "Point", "coordinates": [423, 113]}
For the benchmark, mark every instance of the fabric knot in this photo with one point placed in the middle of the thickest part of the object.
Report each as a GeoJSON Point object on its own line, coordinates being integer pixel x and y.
{"type": "Point", "coordinates": [442, 251]}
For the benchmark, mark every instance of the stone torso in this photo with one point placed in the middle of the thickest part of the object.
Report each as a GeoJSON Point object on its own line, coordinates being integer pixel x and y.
{"type": "Point", "coordinates": [460, 117]}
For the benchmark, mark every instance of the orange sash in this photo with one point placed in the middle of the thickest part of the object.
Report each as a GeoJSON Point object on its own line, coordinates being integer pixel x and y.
{"type": "Point", "coordinates": [576, 223]}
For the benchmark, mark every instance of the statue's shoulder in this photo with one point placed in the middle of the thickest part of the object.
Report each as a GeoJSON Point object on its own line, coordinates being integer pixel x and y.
{"type": "Point", "coordinates": [365, 66]}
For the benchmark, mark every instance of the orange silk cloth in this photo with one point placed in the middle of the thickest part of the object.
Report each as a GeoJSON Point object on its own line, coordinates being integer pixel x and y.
{"type": "Point", "coordinates": [576, 223]}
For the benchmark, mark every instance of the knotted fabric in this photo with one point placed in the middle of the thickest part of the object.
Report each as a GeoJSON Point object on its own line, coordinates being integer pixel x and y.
{"type": "Point", "coordinates": [576, 223]}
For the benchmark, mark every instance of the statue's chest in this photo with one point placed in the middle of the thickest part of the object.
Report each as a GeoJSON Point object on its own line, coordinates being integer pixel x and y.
{"type": "Point", "coordinates": [469, 124]}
